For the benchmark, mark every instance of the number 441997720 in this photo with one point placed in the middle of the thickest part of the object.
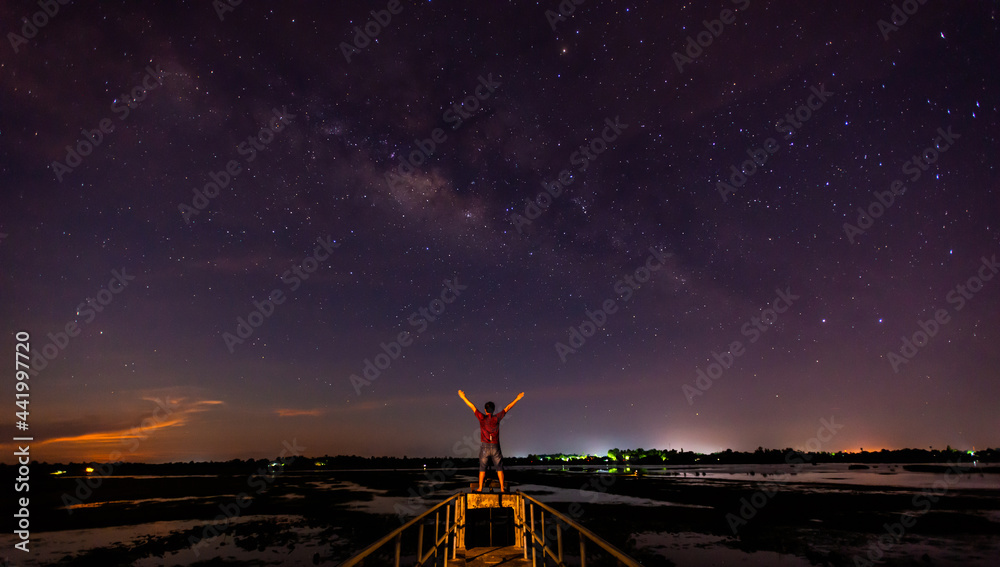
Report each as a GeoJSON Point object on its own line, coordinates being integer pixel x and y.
{"type": "Point", "coordinates": [22, 350]}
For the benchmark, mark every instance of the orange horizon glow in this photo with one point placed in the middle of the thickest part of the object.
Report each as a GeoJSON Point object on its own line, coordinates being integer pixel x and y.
{"type": "Point", "coordinates": [132, 442]}
{"type": "Point", "coordinates": [285, 412]}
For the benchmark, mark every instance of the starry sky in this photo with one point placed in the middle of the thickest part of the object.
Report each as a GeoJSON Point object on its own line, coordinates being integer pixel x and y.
{"type": "Point", "coordinates": [230, 229]}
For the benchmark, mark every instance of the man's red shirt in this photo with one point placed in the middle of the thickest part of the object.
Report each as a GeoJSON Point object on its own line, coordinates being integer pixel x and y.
{"type": "Point", "coordinates": [489, 426]}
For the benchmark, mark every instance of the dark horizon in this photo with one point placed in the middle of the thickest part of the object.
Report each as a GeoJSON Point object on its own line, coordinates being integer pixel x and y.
{"type": "Point", "coordinates": [765, 455]}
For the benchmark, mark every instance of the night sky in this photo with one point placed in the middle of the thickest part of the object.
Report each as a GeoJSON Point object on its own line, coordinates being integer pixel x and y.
{"type": "Point", "coordinates": [217, 229]}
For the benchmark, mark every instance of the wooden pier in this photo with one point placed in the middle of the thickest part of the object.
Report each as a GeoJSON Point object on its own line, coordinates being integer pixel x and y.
{"type": "Point", "coordinates": [480, 529]}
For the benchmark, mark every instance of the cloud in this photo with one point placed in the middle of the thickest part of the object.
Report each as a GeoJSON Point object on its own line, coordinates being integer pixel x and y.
{"type": "Point", "coordinates": [163, 414]}
{"type": "Point", "coordinates": [287, 412]}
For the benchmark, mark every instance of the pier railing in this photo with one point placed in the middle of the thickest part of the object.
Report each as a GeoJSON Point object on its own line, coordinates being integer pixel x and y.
{"type": "Point", "coordinates": [444, 544]}
{"type": "Point", "coordinates": [533, 538]}
{"type": "Point", "coordinates": [541, 546]}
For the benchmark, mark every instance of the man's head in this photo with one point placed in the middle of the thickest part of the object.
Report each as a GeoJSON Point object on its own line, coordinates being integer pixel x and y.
{"type": "Point", "coordinates": [489, 407]}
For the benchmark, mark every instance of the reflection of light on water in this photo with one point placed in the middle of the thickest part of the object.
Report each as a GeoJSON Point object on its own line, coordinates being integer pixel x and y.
{"type": "Point", "coordinates": [144, 501]}
{"type": "Point", "coordinates": [388, 504]}
{"type": "Point", "coordinates": [380, 504]}
{"type": "Point", "coordinates": [807, 476]}
{"type": "Point", "coordinates": [616, 470]}
{"type": "Point", "coordinates": [588, 494]}
{"type": "Point", "coordinates": [88, 505]}
{"type": "Point", "coordinates": [343, 485]}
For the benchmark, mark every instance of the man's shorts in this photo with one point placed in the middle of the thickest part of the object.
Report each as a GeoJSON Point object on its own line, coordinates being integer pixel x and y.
{"type": "Point", "coordinates": [490, 451]}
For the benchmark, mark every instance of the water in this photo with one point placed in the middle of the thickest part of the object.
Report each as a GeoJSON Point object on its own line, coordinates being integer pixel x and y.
{"type": "Point", "coordinates": [289, 538]}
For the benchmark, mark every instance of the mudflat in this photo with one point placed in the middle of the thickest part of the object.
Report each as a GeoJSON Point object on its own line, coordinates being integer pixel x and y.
{"type": "Point", "coordinates": [324, 517]}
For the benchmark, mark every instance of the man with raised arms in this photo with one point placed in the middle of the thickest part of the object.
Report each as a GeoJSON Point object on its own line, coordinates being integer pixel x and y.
{"type": "Point", "coordinates": [489, 436]}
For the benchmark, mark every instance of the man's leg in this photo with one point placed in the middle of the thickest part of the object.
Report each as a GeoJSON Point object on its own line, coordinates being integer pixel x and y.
{"type": "Point", "coordinates": [484, 457]}
{"type": "Point", "coordinates": [498, 465]}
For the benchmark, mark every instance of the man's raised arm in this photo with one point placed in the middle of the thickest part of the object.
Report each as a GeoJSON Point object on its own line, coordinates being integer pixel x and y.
{"type": "Point", "coordinates": [510, 405]}
{"type": "Point", "coordinates": [461, 394]}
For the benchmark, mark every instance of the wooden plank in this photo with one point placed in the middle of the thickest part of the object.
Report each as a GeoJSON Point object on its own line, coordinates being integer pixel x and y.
{"type": "Point", "coordinates": [509, 556]}
{"type": "Point", "coordinates": [490, 500]}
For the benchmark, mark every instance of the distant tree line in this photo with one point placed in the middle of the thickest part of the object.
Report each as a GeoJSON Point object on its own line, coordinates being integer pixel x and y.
{"type": "Point", "coordinates": [664, 457]}
{"type": "Point", "coordinates": [614, 457]}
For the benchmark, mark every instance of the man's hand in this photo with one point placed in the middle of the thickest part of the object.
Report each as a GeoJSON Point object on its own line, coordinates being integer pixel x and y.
{"type": "Point", "coordinates": [510, 405]}
{"type": "Point", "coordinates": [461, 394]}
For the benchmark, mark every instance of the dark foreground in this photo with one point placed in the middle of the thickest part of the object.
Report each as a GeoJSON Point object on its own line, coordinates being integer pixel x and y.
{"type": "Point", "coordinates": [322, 518]}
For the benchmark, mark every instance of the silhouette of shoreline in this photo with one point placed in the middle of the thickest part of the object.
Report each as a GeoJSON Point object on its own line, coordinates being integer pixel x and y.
{"type": "Point", "coordinates": [627, 457]}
